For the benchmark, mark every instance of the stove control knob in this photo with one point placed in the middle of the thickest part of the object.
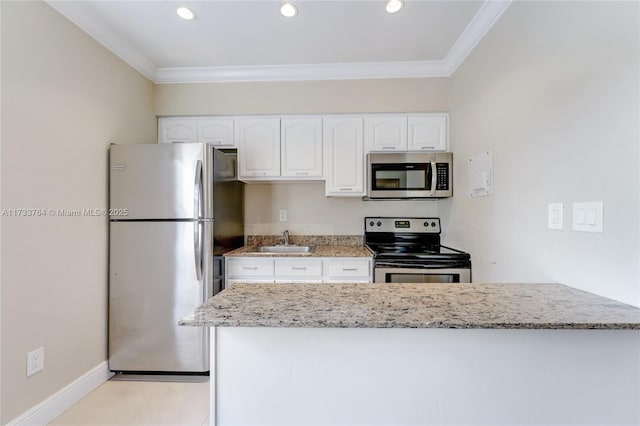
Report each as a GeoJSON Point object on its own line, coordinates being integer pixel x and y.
{"type": "Point", "coordinates": [433, 224]}
{"type": "Point", "coordinates": [371, 223]}
{"type": "Point", "coordinates": [426, 224]}
{"type": "Point", "coordinates": [379, 223]}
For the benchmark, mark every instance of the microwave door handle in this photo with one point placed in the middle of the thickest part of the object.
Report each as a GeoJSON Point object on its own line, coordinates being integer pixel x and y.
{"type": "Point", "coordinates": [434, 177]}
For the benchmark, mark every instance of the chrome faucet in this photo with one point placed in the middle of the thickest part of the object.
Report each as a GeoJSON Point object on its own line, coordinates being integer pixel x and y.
{"type": "Point", "coordinates": [285, 237]}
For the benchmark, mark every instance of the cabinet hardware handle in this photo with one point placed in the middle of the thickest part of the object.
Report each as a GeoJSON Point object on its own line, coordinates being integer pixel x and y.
{"type": "Point", "coordinates": [346, 189]}
{"type": "Point", "coordinates": [299, 268]}
{"type": "Point", "coordinates": [427, 147]}
{"type": "Point", "coordinates": [349, 269]}
{"type": "Point", "coordinates": [302, 173]}
{"type": "Point", "coordinates": [389, 147]}
{"type": "Point", "coordinates": [249, 267]}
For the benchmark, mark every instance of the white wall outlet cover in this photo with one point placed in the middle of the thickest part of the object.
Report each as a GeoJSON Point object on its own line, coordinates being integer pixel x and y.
{"type": "Point", "coordinates": [555, 216]}
{"type": "Point", "coordinates": [35, 361]}
{"type": "Point", "coordinates": [283, 215]}
{"type": "Point", "coordinates": [588, 217]}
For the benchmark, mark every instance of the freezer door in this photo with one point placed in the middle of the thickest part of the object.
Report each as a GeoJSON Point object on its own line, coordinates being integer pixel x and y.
{"type": "Point", "coordinates": [153, 283]}
{"type": "Point", "coordinates": [156, 181]}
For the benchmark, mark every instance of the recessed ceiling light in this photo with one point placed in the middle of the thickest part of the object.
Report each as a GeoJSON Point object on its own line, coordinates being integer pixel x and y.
{"type": "Point", "coordinates": [288, 10]}
{"type": "Point", "coordinates": [394, 6]}
{"type": "Point", "coordinates": [185, 13]}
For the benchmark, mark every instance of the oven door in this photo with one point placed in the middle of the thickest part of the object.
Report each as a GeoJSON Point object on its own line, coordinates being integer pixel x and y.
{"type": "Point", "coordinates": [421, 275]}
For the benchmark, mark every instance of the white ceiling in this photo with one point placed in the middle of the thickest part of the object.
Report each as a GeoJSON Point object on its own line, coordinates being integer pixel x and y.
{"type": "Point", "coordinates": [239, 40]}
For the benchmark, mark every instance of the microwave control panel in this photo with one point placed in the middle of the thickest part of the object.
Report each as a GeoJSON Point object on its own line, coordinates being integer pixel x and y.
{"type": "Point", "coordinates": [442, 171]}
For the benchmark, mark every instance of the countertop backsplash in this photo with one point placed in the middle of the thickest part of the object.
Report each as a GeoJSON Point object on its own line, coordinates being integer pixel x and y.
{"type": "Point", "coordinates": [307, 240]}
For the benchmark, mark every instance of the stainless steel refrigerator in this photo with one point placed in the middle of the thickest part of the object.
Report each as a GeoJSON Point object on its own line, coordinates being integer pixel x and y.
{"type": "Point", "coordinates": [175, 209]}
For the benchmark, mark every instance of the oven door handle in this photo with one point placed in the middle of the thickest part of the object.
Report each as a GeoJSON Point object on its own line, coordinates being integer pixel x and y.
{"type": "Point", "coordinates": [401, 265]}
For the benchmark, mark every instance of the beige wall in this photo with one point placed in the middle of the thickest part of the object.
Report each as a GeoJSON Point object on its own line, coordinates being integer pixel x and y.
{"type": "Point", "coordinates": [309, 211]}
{"type": "Point", "coordinates": [304, 97]}
{"type": "Point", "coordinates": [64, 97]}
{"type": "Point", "coordinates": [553, 91]}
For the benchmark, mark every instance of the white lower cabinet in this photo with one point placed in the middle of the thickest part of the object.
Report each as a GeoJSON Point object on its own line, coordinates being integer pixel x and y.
{"type": "Point", "coordinates": [249, 267]}
{"type": "Point", "coordinates": [350, 269]}
{"type": "Point", "coordinates": [252, 269]}
{"type": "Point", "coordinates": [297, 269]}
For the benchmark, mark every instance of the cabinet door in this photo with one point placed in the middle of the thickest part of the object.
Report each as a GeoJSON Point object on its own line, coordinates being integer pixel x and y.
{"type": "Point", "coordinates": [385, 133]}
{"type": "Point", "coordinates": [301, 147]}
{"type": "Point", "coordinates": [176, 129]}
{"type": "Point", "coordinates": [216, 131]}
{"type": "Point", "coordinates": [428, 132]}
{"type": "Point", "coordinates": [258, 147]}
{"type": "Point", "coordinates": [344, 156]}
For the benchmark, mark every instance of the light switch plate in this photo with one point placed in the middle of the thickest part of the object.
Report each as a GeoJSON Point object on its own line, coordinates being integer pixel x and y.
{"type": "Point", "coordinates": [556, 216]}
{"type": "Point", "coordinates": [588, 217]}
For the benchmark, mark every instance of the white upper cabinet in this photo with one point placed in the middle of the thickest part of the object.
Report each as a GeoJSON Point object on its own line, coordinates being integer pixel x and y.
{"type": "Point", "coordinates": [311, 147]}
{"type": "Point", "coordinates": [428, 132]}
{"type": "Point", "coordinates": [385, 133]}
{"type": "Point", "coordinates": [343, 156]}
{"type": "Point", "coordinates": [301, 147]}
{"type": "Point", "coordinates": [216, 131]}
{"type": "Point", "coordinates": [177, 129]}
{"type": "Point", "coordinates": [258, 141]}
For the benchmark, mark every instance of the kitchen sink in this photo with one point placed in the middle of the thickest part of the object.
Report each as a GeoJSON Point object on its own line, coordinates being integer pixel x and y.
{"type": "Point", "coordinates": [283, 249]}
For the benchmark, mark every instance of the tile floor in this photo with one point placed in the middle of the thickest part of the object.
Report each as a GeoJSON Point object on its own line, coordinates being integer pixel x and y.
{"type": "Point", "coordinates": [117, 403]}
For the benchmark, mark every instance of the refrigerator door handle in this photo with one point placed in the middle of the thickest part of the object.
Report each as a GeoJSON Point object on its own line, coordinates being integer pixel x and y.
{"type": "Point", "coordinates": [197, 248]}
{"type": "Point", "coordinates": [197, 226]}
{"type": "Point", "coordinates": [198, 201]}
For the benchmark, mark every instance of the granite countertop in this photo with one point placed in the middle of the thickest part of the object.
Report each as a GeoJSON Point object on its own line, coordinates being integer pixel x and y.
{"type": "Point", "coordinates": [320, 251]}
{"type": "Point", "coordinates": [502, 306]}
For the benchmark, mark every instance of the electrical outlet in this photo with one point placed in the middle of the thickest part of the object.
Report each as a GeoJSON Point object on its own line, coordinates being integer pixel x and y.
{"type": "Point", "coordinates": [555, 216]}
{"type": "Point", "coordinates": [35, 361]}
{"type": "Point", "coordinates": [283, 215]}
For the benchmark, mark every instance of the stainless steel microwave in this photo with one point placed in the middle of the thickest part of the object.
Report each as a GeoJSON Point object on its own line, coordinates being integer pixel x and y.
{"type": "Point", "coordinates": [409, 175]}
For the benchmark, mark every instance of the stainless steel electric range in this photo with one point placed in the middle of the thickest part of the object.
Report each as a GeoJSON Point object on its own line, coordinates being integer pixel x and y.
{"type": "Point", "coordinates": [408, 250]}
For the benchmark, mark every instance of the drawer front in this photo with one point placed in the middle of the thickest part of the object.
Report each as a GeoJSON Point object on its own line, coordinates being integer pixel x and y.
{"type": "Point", "coordinates": [348, 268]}
{"type": "Point", "coordinates": [249, 267]}
{"type": "Point", "coordinates": [298, 268]}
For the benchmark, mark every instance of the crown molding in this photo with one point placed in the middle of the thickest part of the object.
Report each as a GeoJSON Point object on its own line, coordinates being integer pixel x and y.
{"type": "Point", "coordinates": [479, 25]}
{"type": "Point", "coordinates": [369, 70]}
{"type": "Point", "coordinates": [83, 16]}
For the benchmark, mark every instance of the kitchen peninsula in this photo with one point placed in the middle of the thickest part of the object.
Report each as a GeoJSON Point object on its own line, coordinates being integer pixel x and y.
{"type": "Point", "coordinates": [499, 354]}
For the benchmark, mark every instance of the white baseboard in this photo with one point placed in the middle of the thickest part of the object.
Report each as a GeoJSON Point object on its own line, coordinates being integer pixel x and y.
{"type": "Point", "coordinates": [46, 411]}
